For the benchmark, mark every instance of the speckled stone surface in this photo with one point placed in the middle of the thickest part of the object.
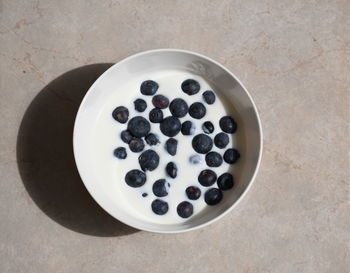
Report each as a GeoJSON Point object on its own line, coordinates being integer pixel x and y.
{"type": "Point", "coordinates": [294, 58]}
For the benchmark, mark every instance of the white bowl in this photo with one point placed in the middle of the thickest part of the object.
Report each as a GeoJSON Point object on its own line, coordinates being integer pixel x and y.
{"type": "Point", "coordinates": [155, 60]}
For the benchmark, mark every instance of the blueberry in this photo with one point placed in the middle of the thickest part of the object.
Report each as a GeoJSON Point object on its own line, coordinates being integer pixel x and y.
{"type": "Point", "coordinates": [149, 160]}
{"type": "Point", "coordinates": [225, 181]}
{"type": "Point", "coordinates": [140, 105]}
{"type": "Point", "coordinates": [126, 136]}
{"type": "Point", "coordinates": [188, 128]}
{"type": "Point", "coordinates": [213, 159]}
{"type": "Point", "coordinates": [156, 115]}
{"type": "Point", "coordinates": [152, 139]}
{"type": "Point", "coordinates": [209, 97]}
{"type": "Point", "coordinates": [139, 126]}
{"type": "Point", "coordinates": [185, 209]}
{"type": "Point", "coordinates": [121, 114]}
{"type": "Point", "coordinates": [207, 178]}
{"type": "Point", "coordinates": [195, 159]}
{"type": "Point", "coordinates": [208, 127]}
{"type": "Point", "coordinates": [228, 124]}
{"type": "Point", "coordinates": [120, 153]}
{"type": "Point", "coordinates": [136, 145]}
{"type": "Point", "coordinates": [135, 178]}
{"type": "Point", "coordinates": [212, 196]}
{"type": "Point", "coordinates": [145, 194]}
{"type": "Point", "coordinates": [221, 140]}
{"type": "Point", "coordinates": [149, 88]}
{"type": "Point", "coordinates": [170, 126]}
{"type": "Point", "coordinates": [160, 207]}
{"type": "Point", "coordinates": [171, 169]}
{"type": "Point", "coordinates": [160, 188]}
{"type": "Point", "coordinates": [160, 101]}
{"type": "Point", "coordinates": [190, 87]}
{"type": "Point", "coordinates": [171, 146]}
{"type": "Point", "coordinates": [178, 108]}
{"type": "Point", "coordinates": [231, 156]}
{"type": "Point", "coordinates": [202, 143]}
{"type": "Point", "coordinates": [193, 192]}
{"type": "Point", "coordinates": [197, 110]}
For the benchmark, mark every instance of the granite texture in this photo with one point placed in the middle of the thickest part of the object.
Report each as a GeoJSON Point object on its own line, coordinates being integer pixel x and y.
{"type": "Point", "coordinates": [294, 58]}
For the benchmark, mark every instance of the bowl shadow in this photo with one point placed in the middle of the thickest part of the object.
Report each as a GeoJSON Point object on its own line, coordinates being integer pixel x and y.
{"type": "Point", "coordinates": [45, 156]}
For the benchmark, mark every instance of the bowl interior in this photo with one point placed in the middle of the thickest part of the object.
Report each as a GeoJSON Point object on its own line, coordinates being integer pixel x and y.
{"type": "Point", "coordinates": [228, 88]}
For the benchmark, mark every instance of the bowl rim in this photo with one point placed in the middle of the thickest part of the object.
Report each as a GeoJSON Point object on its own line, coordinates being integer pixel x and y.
{"type": "Point", "coordinates": [246, 190]}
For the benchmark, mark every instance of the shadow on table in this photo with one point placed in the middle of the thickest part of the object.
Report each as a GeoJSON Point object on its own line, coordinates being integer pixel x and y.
{"type": "Point", "coordinates": [45, 156]}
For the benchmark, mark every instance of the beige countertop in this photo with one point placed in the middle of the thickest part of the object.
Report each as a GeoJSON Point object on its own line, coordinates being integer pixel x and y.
{"type": "Point", "coordinates": [294, 58]}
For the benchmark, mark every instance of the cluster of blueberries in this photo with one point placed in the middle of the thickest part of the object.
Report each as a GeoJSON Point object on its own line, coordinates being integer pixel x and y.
{"type": "Point", "coordinates": [138, 132]}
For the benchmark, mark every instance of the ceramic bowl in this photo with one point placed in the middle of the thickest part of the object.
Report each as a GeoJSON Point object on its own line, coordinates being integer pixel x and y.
{"type": "Point", "coordinates": [220, 78]}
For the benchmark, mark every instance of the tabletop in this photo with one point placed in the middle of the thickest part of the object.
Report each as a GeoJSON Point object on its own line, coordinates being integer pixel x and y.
{"type": "Point", "coordinates": [293, 57]}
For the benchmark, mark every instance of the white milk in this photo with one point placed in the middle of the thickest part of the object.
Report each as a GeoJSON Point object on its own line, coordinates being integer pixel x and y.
{"type": "Point", "coordinates": [112, 170]}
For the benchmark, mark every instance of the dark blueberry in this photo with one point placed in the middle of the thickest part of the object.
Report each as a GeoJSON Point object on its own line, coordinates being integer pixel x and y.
{"type": "Point", "coordinates": [197, 110]}
{"type": "Point", "coordinates": [140, 105]}
{"type": "Point", "coordinates": [193, 192]}
{"type": "Point", "coordinates": [212, 196]}
{"type": "Point", "coordinates": [202, 143]}
{"type": "Point", "coordinates": [207, 178]}
{"type": "Point", "coordinates": [209, 97]}
{"type": "Point", "coordinates": [228, 125]}
{"type": "Point", "coordinates": [208, 127]}
{"type": "Point", "coordinates": [120, 153]}
{"type": "Point", "coordinates": [139, 126]}
{"type": "Point", "coordinates": [231, 156]}
{"type": "Point", "coordinates": [213, 159]}
{"type": "Point", "coordinates": [135, 178]}
{"type": "Point", "coordinates": [145, 194]}
{"type": "Point", "coordinates": [121, 114]}
{"type": "Point", "coordinates": [178, 108]}
{"type": "Point", "coordinates": [195, 159]}
{"type": "Point", "coordinates": [160, 188]}
{"type": "Point", "coordinates": [188, 128]}
{"type": "Point", "coordinates": [170, 126]}
{"type": "Point", "coordinates": [160, 207]}
{"type": "Point", "coordinates": [160, 101]}
{"type": "Point", "coordinates": [221, 140]}
{"type": "Point", "coordinates": [190, 87]}
{"type": "Point", "coordinates": [185, 209]}
{"type": "Point", "coordinates": [171, 146]}
{"type": "Point", "coordinates": [152, 139]}
{"type": "Point", "coordinates": [149, 160]}
{"type": "Point", "coordinates": [126, 136]}
{"type": "Point", "coordinates": [225, 181]}
{"type": "Point", "coordinates": [136, 145]}
{"type": "Point", "coordinates": [156, 115]}
{"type": "Point", "coordinates": [171, 169]}
{"type": "Point", "coordinates": [149, 88]}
